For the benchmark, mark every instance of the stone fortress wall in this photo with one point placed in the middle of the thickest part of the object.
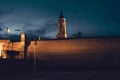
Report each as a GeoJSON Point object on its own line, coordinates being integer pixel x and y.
{"type": "Point", "coordinates": [8, 48]}
{"type": "Point", "coordinates": [76, 51]}
{"type": "Point", "coordinates": [66, 51]}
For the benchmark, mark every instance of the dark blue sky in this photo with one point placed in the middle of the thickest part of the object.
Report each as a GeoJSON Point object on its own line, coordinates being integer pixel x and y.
{"type": "Point", "coordinates": [40, 17]}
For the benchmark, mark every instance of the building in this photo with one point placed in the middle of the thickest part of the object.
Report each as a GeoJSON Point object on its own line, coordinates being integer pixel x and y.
{"type": "Point", "coordinates": [9, 49]}
{"type": "Point", "coordinates": [62, 50]}
{"type": "Point", "coordinates": [61, 27]}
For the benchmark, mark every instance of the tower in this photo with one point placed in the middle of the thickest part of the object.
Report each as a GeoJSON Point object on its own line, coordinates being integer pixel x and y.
{"type": "Point", "coordinates": [23, 46]}
{"type": "Point", "coordinates": [61, 27]}
{"type": "Point", "coordinates": [23, 37]}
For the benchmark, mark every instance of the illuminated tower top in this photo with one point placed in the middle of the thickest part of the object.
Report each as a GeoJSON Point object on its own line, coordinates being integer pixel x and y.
{"type": "Point", "coordinates": [61, 27]}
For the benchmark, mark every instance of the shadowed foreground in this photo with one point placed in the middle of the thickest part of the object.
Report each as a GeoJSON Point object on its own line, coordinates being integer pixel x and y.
{"type": "Point", "coordinates": [23, 70]}
{"type": "Point", "coordinates": [62, 75]}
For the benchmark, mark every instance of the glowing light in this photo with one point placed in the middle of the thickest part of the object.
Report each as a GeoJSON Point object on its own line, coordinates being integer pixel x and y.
{"type": "Point", "coordinates": [8, 30]}
{"type": "Point", "coordinates": [39, 37]}
{"type": "Point", "coordinates": [4, 57]}
{"type": "Point", "coordinates": [0, 50]}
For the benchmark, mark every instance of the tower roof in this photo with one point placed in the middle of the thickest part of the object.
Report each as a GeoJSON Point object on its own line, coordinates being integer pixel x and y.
{"type": "Point", "coordinates": [61, 15]}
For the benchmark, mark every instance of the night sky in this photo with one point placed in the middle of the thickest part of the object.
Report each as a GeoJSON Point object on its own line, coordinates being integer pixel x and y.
{"type": "Point", "coordinates": [40, 17]}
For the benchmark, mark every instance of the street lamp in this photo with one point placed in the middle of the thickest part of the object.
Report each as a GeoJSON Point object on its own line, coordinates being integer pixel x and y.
{"type": "Point", "coordinates": [35, 43]}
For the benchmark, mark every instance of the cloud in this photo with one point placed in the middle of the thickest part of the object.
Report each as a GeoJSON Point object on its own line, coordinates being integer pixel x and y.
{"type": "Point", "coordinates": [48, 28]}
{"type": "Point", "coordinates": [28, 21]}
{"type": "Point", "coordinates": [1, 29]}
{"type": "Point", "coordinates": [39, 17]}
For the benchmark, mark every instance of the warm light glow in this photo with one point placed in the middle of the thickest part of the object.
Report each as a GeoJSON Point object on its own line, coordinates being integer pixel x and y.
{"type": "Point", "coordinates": [0, 49]}
{"type": "Point", "coordinates": [4, 57]}
{"type": "Point", "coordinates": [8, 30]}
{"type": "Point", "coordinates": [39, 37]}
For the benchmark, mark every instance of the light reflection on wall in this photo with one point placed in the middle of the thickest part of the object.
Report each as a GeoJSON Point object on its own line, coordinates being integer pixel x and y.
{"type": "Point", "coordinates": [0, 49]}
